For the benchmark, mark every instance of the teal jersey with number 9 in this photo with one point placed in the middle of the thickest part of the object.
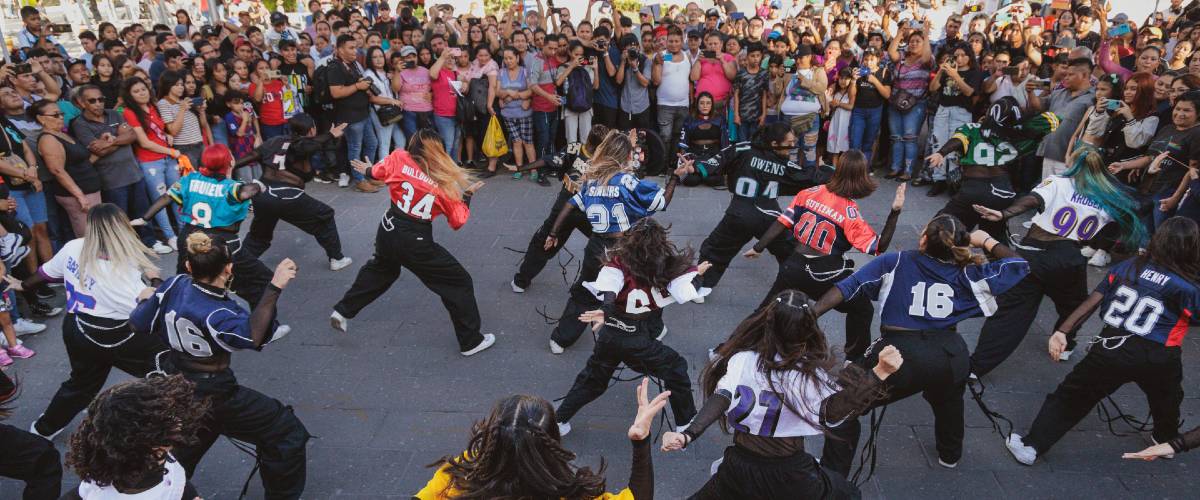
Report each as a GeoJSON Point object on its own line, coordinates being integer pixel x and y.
{"type": "Point", "coordinates": [208, 202]}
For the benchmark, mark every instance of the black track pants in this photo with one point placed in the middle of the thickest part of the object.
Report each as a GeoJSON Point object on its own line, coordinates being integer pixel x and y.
{"type": "Point", "coordinates": [31, 459]}
{"type": "Point", "coordinates": [816, 275]}
{"type": "Point", "coordinates": [536, 256]}
{"type": "Point", "coordinates": [402, 243]}
{"type": "Point", "coordinates": [745, 474]}
{"type": "Point", "coordinates": [293, 206]}
{"type": "Point", "coordinates": [734, 231]}
{"type": "Point", "coordinates": [992, 192]}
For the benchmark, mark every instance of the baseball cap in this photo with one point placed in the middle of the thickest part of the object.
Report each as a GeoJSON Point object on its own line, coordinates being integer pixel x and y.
{"type": "Point", "coordinates": [1155, 30]}
{"type": "Point", "coordinates": [407, 50]}
{"type": "Point", "coordinates": [804, 50]}
{"type": "Point", "coordinates": [241, 42]}
{"type": "Point", "coordinates": [1121, 18]}
{"type": "Point", "coordinates": [776, 4]}
{"type": "Point", "coordinates": [278, 18]}
{"type": "Point", "coordinates": [712, 13]}
{"type": "Point", "coordinates": [775, 35]}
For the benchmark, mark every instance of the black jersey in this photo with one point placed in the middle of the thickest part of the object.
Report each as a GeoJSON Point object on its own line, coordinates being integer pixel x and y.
{"type": "Point", "coordinates": [755, 176]}
{"type": "Point", "coordinates": [572, 162]}
{"type": "Point", "coordinates": [292, 153]}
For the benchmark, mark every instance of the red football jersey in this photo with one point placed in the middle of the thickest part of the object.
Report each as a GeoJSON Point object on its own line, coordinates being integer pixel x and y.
{"type": "Point", "coordinates": [828, 223]}
{"type": "Point", "coordinates": [635, 298]}
{"type": "Point", "coordinates": [414, 193]}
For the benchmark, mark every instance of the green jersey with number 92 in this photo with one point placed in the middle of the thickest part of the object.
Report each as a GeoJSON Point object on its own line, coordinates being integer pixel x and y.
{"type": "Point", "coordinates": [990, 150]}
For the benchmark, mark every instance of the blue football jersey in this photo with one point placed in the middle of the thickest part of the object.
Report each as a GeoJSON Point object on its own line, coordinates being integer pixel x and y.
{"type": "Point", "coordinates": [614, 206]}
{"type": "Point", "coordinates": [918, 292]}
{"type": "Point", "coordinates": [208, 202]}
{"type": "Point", "coordinates": [194, 321]}
{"type": "Point", "coordinates": [1151, 302]}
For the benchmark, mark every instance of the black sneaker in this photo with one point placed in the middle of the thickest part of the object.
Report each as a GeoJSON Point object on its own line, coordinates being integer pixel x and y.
{"type": "Point", "coordinates": [45, 293]}
{"type": "Point", "coordinates": [938, 188]}
{"type": "Point", "coordinates": [44, 310]}
{"type": "Point", "coordinates": [487, 174]}
{"type": "Point", "coordinates": [543, 180]}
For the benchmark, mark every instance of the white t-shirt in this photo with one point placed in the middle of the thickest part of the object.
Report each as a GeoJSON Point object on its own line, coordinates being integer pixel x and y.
{"type": "Point", "coordinates": [1067, 213]}
{"type": "Point", "coordinates": [757, 410]}
{"type": "Point", "coordinates": [676, 80]}
{"type": "Point", "coordinates": [171, 487]}
{"type": "Point", "coordinates": [108, 293]}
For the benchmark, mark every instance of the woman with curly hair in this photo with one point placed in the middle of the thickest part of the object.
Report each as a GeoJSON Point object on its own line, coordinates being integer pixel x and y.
{"type": "Point", "coordinates": [773, 380]}
{"type": "Point", "coordinates": [123, 447]}
{"type": "Point", "coordinates": [517, 452]}
{"type": "Point", "coordinates": [643, 273]}
{"type": "Point", "coordinates": [26, 456]}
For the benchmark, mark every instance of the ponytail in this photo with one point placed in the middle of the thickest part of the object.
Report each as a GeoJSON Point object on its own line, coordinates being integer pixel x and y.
{"type": "Point", "coordinates": [947, 239]}
{"type": "Point", "coordinates": [206, 259]}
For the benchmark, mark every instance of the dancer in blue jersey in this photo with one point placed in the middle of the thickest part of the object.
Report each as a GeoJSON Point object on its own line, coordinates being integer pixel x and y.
{"type": "Point", "coordinates": [923, 295]}
{"type": "Point", "coordinates": [203, 326]}
{"type": "Point", "coordinates": [613, 198]}
{"type": "Point", "coordinates": [1147, 305]}
{"type": "Point", "coordinates": [214, 204]}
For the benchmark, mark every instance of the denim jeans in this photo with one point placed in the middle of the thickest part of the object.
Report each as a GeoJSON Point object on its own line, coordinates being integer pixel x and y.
{"type": "Point", "coordinates": [806, 140]}
{"type": "Point", "coordinates": [160, 174]}
{"type": "Point", "coordinates": [132, 200]}
{"type": "Point", "coordinates": [905, 126]}
{"type": "Point", "coordinates": [746, 130]}
{"type": "Point", "coordinates": [945, 122]}
{"type": "Point", "coordinates": [447, 127]}
{"type": "Point", "coordinates": [670, 120]}
{"type": "Point", "coordinates": [269, 131]}
{"type": "Point", "coordinates": [414, 120]}
{"type": "Point", "coordinates": [545, 128]}
{"type": "Point", "coordinates": [389, 137]}
{"type": "Point", "coordinates": [864, 129]}
{"type": "Point", "coordinates": [360, 142]}
{"type": "Point", "coordinates": [31, 206]}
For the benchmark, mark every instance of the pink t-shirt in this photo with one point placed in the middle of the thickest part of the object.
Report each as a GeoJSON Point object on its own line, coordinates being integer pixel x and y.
{"type": "Point", "coordinates": [712, 79]}
{"type": "Point", "coordinates": [414, 89]}
{"type": "Point", "coordinates": [445, 101]}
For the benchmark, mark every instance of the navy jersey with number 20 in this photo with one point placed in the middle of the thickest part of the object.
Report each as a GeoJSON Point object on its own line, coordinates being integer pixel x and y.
{"type": "Point", "coordinates": [614, 206]}
{"type": "Point", "coordinates": [918, 292]}
{"type": "Point", "coordinates": [1151, 302]}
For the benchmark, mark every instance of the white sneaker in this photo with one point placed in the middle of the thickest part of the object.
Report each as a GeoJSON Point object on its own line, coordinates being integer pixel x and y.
{"type": "Point", "coordinates": [339, 322]}
{"type": "Point", "coordinates": [1027, 224]}
{"type": "Point", "coordinates": [1066, 355]}
{"type": "Point", "coordinates": [1167, 457]}
{"type": "Point", "coordinates": [564, 429]}
{"type": "Point", "coordinates": [663, 334]}
{"type": "Point", "coordinates": [946, 465]}
{"type": "Point", "coordinates": [701, 294]}
{"type": "Point", "coordinates": [280, 332]}
{"type": "Point", "coordinates": [173, 242]}
{"type": "Point", "coordinates": [555, 348]}
{"type": "Point", "coordinates": [25, 327]}
{"type": "Point", "coordinates": [1099, 259]}
{"type": "Point", "coordinates": [973, 376]}
{"type": "Point", "coordinates": [1020, 451]}
{"type": "Point", "coordinates": [339, 264]}
{"type": "Point", "coordinates": [1087, 251]}
{"type": "Point", "coordinates": [33, 430]}
{"type": "Point", "coordinates": [161, 249]}
{"type": "Point", "coordinates": [713, 356]}
{"type": "Point", "coordinates": [488, 340]}
{"type": "Point", "coordinates": [515, 288]}
{"type": "Point", "coordinates": [343, 180]}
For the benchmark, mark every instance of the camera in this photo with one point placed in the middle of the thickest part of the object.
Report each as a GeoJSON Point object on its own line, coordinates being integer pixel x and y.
{"type": "Point", "coordinates": [197, 102]}
{"type": "Point", "coordinates": [601, 44]}
{"type": "Point", "coordinates": [372, 88]}
{"type": "Point", "coordinates": [1112, 104]}
{"type": "Point", "coordinates": [410, 64]}
{"type": "Point", "coordinates": [863, 71]}
{"type": "Point", "coordinates": [21, 69]}
{"type": "Point", "coordinates": [632, 53]}
{"type": "Point", "coordinates": [1012, 71]}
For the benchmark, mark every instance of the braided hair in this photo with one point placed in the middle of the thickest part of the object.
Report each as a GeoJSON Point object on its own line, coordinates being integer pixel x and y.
{"type": "Point", "coordinates": [946, 239]}
{"type": "Point", "coordinates": [516, 452]}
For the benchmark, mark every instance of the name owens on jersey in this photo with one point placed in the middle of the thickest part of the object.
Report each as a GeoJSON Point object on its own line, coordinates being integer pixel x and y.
{"type": "Point", "coordinates": [634, 298]}
{"type": "Point", "coordinates": [613, 206]}
{"type": "Point", "coordinates": [828, 223]}
{"type": "Point", "coordinates": [1151, 302]}
{"type": "Point", "coordinates": [414, 194]}
{"type": "Point", "coordinates": [755, 176]}
{"type": "Point", "coordinates": [1067, 213]}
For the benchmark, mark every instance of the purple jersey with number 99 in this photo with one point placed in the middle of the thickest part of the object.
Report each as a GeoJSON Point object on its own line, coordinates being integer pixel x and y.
{"type": "Point", "coordinates": [1067, 213]}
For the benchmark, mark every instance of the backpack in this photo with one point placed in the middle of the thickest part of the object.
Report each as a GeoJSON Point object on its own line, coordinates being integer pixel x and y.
{"type": "Point", "coordinates": [320, 85]}
{"type": "Point", "coordinates": [477, 92]}
{"type": "Point", "coordinates": [579, 91]}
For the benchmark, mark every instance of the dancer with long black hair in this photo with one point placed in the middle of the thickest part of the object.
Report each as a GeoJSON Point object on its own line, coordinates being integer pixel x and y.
{"type": "Point", "coordinates": [1148, 304]}
{"type": "Point", "coordinates": [613, 198]}
{"type": "Point", "coordinates": [213, 203]}
{"type": "Point", "coordinates": [194, 314]}
{"type": "Point", "coordinates": [925, 294]}
{"type": "Point", "coordinates": [570, 164]}
{"type": "Point", "coordinates": [826, 223]}
{"type": "Point", "coordinates": [424, 182]}
{"type": "Point", "coordinates": [27, 457]}
{"type": "Point", "coordinates": [773, 380]}
{"type": "Point", "coordinates": [755, 173]}
{"type": "Point", "coordinates": [643, 273]}
{"type": "Point", "coordinates": [1072, 208]}
{"type": "Point", "coordinates": [102, 273]}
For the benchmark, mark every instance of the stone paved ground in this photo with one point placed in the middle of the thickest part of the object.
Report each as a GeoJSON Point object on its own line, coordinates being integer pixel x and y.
{"type": "Point", "coordinates": [394, 395]}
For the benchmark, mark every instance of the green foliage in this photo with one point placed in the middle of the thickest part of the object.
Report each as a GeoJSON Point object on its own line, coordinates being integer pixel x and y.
{"type": "Point", "coordinates": [289, 5]}
{"type": "Point", "coordinates": [628, 7]}
{"type": "Point", "coordinates": [270, 5]}
{"type": "Point", "coordinates": [496, 7]}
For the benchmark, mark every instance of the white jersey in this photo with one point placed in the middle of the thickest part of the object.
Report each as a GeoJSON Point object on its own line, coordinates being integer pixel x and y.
{"type": "Point", "coordinates": [108, 293]}
{"type": "Point", "coordinates": [757, 410]}
{"type": "Point", "coordinates": [1067, 213]}
{"type": "Point", "coordinates": [171, 487]}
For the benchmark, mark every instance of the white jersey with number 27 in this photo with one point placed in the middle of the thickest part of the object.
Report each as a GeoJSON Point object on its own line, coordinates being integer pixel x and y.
{"type": "Point", "coordinates": [757, 409]}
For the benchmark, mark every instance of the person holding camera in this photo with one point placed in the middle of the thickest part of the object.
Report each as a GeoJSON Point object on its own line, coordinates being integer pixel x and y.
{"type": "Point", "coordinates": [633, 75]}
{"type": "Point", "coordinates": [713, 72]}
{"type": "Point", "coordinates": [266, 90]}
{"type": "Point", "coordinates": [182, 115]}
{"type": "Point", "coordinates": [351, 105]}
{"type": "Point", "coordinates": [955, 84]}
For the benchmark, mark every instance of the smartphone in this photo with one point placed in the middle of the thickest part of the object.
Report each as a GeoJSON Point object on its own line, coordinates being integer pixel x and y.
{"type": "Point", "coordinates": [1003, 18]}
{"type": "Point", "coordinates": [1011, 71]}
{"type": "Point", "coordinates": [863, 72]}
{"type": "Point", "coordinates": [1119, 30]}
{"type": "Point", "coordinates": [1112, 104]}
{"type": "Point", "coordinates": [915, 24]}
{"type": "Point", "coordinates": [709, 53]}
{"type": "Point", "coordinates": [1034, 21]}
{"type": "Point", "coordinates": [456, 52]}
{"type": "Point", "coordinates": [21, 69]}
{"type": "Point", "coordinates": [1060, 5]}
{"type": "Point", "coordinates": [197, 102]}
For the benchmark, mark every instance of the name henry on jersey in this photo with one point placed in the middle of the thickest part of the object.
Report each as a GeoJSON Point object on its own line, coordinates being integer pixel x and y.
{"type": "Point", "coordinates": [1157, 278]}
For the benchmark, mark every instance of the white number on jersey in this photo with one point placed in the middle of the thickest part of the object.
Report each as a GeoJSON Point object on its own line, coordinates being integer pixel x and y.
{"type": "Point", "coordinates": [936, 300]}
{"type": "Point", "coordinates": [1133, 314]}
{"type": "Point", "coordinates": [636, 301]}
{"type": "Point", "coordinates": [985, 154]}
{"type": "Point", "coordinates": [424, 207]}
{"type": "Point", "coordinates": [599, 216]}
{"type": "Point", "coordinates": [747, 187]}
{"type": "Point", "coordinates": [185, 336]}
{"type": "Point", "coordinates": [202, 214]}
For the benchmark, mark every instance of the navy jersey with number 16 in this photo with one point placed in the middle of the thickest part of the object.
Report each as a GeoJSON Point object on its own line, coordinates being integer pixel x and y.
{"type": "Point", "coordinates": [918, 292]}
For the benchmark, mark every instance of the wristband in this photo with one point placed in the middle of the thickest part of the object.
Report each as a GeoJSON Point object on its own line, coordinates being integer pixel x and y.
{"type": "Point", "coordinates": [155, 282]}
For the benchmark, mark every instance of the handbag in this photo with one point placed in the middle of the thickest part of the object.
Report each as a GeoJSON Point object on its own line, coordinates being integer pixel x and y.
{"type": "Point", "coordinates": [902, 100]}
{"type": "Point", "coordinates": [15, 160]}
{"type": "Point", "coordinates": [389, 114]}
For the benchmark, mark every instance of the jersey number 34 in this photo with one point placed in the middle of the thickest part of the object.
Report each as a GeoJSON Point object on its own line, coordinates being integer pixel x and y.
{"type": "Point", "coordinates": [423, 209]}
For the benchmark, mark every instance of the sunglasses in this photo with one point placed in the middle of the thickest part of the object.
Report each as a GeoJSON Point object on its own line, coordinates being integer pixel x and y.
{"type": "Point", "coordinates": [94, 100]}
{"type": "Point", "coordinates": [56, 115]}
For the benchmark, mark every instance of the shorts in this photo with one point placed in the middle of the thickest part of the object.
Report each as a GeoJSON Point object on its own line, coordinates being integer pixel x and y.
{"type": "Point", "coordinates": [31, 206]}
{"type": "Point", "coordinates": [520, 129]}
